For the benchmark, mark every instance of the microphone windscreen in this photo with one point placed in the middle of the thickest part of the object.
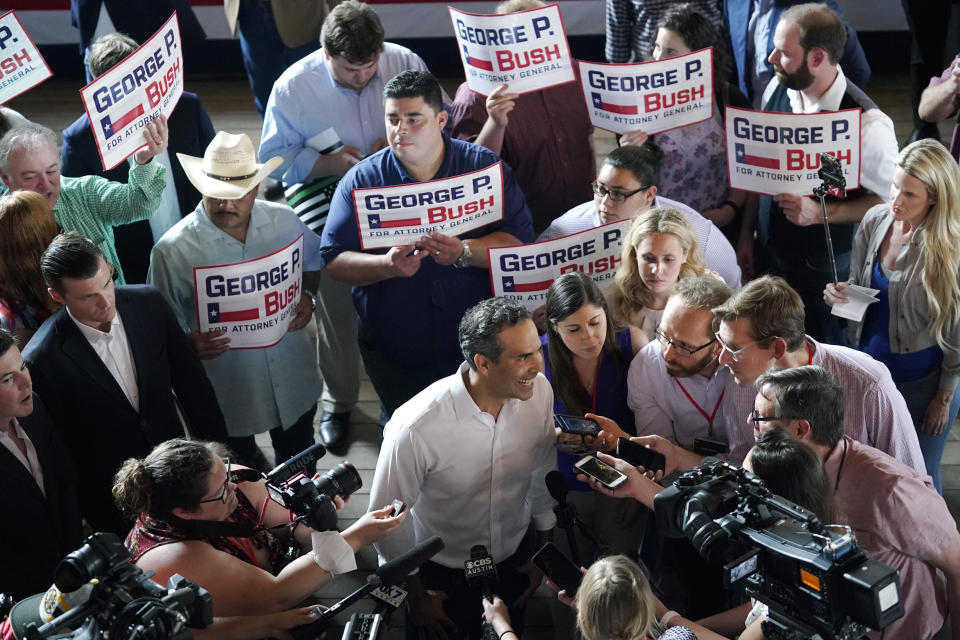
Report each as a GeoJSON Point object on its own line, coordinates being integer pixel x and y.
{"type": "Point", "coordinates": [557, 486]}
{"type": "Point", "coordinates": [401, 566]}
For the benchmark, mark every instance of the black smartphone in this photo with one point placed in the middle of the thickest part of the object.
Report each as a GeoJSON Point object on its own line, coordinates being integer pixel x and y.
{"type": "Point", "coordinates": [558, 567]}
{"type": "Point", "coordinates": [398, 507]}
{"type": "Point", "coordinates": [604, 473]}
{"type": "Point", "coordinates": [576, 424]}
{"type": "Point", "coordinates": [639, 455]}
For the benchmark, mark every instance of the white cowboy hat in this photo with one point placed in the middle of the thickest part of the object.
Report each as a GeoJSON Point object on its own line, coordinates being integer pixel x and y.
{"type": "Point", "coordinates": [228, 169]}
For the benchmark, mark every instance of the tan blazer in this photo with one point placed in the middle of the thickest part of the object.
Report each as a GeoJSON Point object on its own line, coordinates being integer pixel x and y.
{"type": "Point", "coordinates": [298, 21]}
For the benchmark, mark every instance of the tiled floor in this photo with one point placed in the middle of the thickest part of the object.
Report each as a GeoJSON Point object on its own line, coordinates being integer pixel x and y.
{"type": "Point", "coordinates": [57, 103]}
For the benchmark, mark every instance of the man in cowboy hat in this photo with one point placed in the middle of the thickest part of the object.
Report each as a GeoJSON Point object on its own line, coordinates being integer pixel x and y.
{"type": "Point", "coordinates": [272, 388]}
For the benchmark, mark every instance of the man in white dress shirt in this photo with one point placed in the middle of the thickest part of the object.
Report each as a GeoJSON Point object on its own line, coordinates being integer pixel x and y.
{"type": "Point", "coordinates": [469, 454]}
{"type": "Point", "coordinates": [625, 187]}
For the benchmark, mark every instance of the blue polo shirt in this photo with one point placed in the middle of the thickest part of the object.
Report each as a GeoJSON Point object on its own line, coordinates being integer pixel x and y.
{"type": "Point", "coordinates": [413, 321]}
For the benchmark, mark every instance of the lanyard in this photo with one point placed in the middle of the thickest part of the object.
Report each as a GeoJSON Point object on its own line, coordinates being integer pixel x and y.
{"type": "Point", "coordinates": [709, 418]}
{"type": "Point", "coordinates": [809, 353]}
{"type": "Point", "coordinates": [596, 383]}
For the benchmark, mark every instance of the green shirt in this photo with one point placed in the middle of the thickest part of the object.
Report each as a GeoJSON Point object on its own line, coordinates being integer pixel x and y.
{"type": "Point", "coordinates": [93, 205]}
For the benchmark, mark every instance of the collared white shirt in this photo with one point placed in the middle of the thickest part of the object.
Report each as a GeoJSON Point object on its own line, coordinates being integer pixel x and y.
{"type": "Point", "coordinates": [660, 406]}
{"type": "Point", "coordinates": [30, 461]}
{"type": "Point", "coordinates": [113, 349]}
{"type": "Point", "coordinates": [718, 253]}
{"type": "Point", "coordinates": [878, 142]}
{"type": "Point", "coordinates": [466, 477]}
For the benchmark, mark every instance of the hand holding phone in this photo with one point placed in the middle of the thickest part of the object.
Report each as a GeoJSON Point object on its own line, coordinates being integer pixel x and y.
{"type": "Point", "coordinates": [600, 471]}
{"type": "Point", "coordinates": [559, 568]}
{"type": "Point", "coordinates": [576, 425]}
{"type": "Point", "coordinates": [640, 456]}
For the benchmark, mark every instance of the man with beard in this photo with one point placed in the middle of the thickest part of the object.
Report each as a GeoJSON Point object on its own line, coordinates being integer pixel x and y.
{"type": "Point", "coordinates": [676, 384]}
{"type": "Point", "coordinates": [809, 42]}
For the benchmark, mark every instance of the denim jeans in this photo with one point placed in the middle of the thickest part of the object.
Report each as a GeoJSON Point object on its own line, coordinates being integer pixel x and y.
{"type": "Point", "coordinates": [265, 56]}
{"type": "Point", "coordinates": [918, 394]}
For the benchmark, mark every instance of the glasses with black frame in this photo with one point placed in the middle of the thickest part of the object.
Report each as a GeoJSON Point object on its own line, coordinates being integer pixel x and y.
{"type": "Point", "coordinates": [601, 191]}
{"type": "Point", "coordinates": [222, 497]}
{"type": "Point", "coordinates": [679, 347]}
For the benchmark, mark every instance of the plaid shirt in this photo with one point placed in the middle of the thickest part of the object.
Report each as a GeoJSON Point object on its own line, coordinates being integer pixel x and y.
{"type": "Point", "coordinates": [632, 25]}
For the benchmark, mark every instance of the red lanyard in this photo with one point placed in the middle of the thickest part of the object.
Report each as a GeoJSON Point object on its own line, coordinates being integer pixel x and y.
{"type": "Point", "coordinates": [809, 353]}
{"type": "Point", "coordinates": [709, 418]}
{"type": "Point", "coordinates": [596, 381]}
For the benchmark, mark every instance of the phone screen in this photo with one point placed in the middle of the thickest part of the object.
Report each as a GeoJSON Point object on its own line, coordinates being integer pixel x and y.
{"type": "Point", "coordinates": [560, 569]}
{"type": "Point", "coordinates": [574, 424]}
{"type": "Point", "coordinates": [607, 475]}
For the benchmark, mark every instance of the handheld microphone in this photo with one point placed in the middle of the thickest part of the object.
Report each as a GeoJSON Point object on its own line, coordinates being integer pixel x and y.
{"type": "Point", "coordinates": [389, 574]}
{"type": "Point", "coordinates": [481, 573]}
{"type": "Point", "coordinates": [557, 486]}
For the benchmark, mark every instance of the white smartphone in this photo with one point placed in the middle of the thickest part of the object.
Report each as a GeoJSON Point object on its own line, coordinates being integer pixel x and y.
{"type": "Point", "coordinates": [604, 473]}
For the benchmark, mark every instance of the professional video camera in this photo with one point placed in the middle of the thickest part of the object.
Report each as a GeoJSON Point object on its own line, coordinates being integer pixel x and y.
{"type": "Point", "coordinates": [814, 579]}
{"type": "Point", "coordinates": [309, 498]}
{"type": "Point", "coordinates": [120, 601]}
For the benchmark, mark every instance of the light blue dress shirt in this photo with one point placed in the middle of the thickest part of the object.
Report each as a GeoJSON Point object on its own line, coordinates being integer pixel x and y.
{"type": "Point", "coordinates": [258, 389]}
{"type": "Point", "coordinates": [307, 101]}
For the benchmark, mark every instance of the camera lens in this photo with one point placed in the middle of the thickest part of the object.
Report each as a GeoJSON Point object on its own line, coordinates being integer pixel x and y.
{"type": "Point", "coordinates": [341, 480]}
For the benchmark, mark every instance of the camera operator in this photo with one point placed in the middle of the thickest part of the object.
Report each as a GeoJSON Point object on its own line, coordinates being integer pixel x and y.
{"type": "Point", "coordinates": [181, 486]}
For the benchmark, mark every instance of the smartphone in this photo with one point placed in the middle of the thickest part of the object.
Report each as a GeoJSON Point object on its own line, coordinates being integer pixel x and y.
{"type": "Point", "coordinates": [558, 567]}
{"type": "Point", "coordinates": [398, 507]}
{"type": "Point", "coordinates": [604, 473]}
{"type": "Point", "coordinates": [639, 455]}
{"type": "Point", "coordinates": [577, 425]}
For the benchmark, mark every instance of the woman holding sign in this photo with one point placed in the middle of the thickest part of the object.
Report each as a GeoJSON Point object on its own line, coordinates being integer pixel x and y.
{"type": "Point", "coordinates": [660, 248]}
{"type": "Point", "coordinates": [910, 251]}
{"type": "Point", "coordinates": [694, 168]}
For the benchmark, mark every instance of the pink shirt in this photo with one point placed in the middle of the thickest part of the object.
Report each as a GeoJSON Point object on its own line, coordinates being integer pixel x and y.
{"type": "Point", "coordinates": [874, 411]}
{"type": "Point", "coordinates": [901, 521]}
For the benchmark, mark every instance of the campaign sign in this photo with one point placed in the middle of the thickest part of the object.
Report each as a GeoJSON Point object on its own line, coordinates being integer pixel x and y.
{"type": "Point", "coordinates": [21, 65]}
{"type": "Point", "coordinates": [525, 272]}
{"type": "Point", "coordinates": [253, 301]}
{"type": "Point", "coordinates": [527, 50]}
{"type": "Point", "coordinates": [395, 216]}
{"type": "Point", "coordinates": [121, 102]}
{"type": "Point", "coordinates": [653, 96]}
{"type": "Point", "coordinates": [772, 153]}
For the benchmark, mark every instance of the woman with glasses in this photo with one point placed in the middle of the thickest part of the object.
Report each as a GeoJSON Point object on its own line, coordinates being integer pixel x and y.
{"type": "Point", "coordinates": [909, 250]}
{"type": "Point", "coordinates": [695, 156]}
{"type": "Point", "coordinates": [183, 494]}
{"type": "Point", "coordinates": [660, 249]}
{"type": "Point", "coordinates": [26, 228]}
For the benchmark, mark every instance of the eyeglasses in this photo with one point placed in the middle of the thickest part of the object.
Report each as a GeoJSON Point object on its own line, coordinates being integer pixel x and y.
{"type": "Point", "coordinates": [682, 349]}
{"type": "Point", "coordinates": [601, 191]}
{"type": "Point", "coordinates": [736, 354]}
{"type": "Point", "coordinates": [226, 484]}
{"type": "Point", "coordinates": [756, 418]}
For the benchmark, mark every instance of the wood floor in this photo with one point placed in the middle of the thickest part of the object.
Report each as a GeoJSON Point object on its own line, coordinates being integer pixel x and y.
{"type": "Point", "coordinates": [56, 103]}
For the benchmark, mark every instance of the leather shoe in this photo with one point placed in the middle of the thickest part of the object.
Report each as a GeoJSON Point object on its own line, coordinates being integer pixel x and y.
{"type": "Point", "coordinates": [334, 428]}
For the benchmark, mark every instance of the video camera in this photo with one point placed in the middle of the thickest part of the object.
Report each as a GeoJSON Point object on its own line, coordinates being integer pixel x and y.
{"type": "Point", "coordinates": [309, 498]}
{"type": "Point", "coordinates": [121, 601]}
{"type": "Point", "coordinates": [814, 579]}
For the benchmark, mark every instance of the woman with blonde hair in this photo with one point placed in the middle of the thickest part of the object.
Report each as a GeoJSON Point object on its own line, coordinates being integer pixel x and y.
{"type": "Point", "coordinates": [910, 251]}
{"type": "Point", "coordinates": [660, 249]}
{"type": "Point", "coordinates": [26, 228]}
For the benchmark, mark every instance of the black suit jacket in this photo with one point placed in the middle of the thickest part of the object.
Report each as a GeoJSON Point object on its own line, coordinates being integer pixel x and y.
{"type": "Point", "coordinates": [89, 409]}
{"type": "Point", "coordinates": [139, 19]}
{"type": "Point", "coordinates": [39, 529]}
{"type": "Point", "coordinates": [190, 132]}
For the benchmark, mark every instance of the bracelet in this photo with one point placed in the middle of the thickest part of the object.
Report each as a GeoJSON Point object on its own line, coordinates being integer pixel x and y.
{"type": "Point", "coordinates": [667, 617]}
{"type": "Point", "coordinates": [508, 631]}
{"type": "Point", "coordinates": [733, 204]}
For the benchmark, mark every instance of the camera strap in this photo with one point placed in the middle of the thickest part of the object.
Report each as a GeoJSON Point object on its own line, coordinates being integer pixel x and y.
{"type": "Point", "coordinates": [215, 528]}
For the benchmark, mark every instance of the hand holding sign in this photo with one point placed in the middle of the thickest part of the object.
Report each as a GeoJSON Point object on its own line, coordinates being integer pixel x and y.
{"type": "Point", "coordinates": [799, 210]}
{"type": "Point", "coordinates": [209, 344]}
{"type": "Point", "coordinates": [635, 138]}
{"type": "Point", "coordinates": [444, 249]}
{"type": "Point", "coordinates": [157, 135]}
{"type": "Point", "coordinates": [499, 104]}
{"type": "Point", "coordinates": [403, 262]}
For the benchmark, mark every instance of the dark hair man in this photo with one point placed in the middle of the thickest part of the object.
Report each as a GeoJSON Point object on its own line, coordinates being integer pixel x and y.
{"type": "Point", "coordinates": [625, 187]}
{"type": "Point", "coordinates": [38, 479]}
{"type": "Point", "coordinates": [107, 366]}
{"type": "Point", "coordinates": [190, 130]}
{"type": "Point", "coordinates": [410, 298]}
{"type": "Point", "coordinates": [808, 44]}
{"type": "Point", "coordinates": [325, 114]}
{"type": "Point", "coordinates": [470, 453]}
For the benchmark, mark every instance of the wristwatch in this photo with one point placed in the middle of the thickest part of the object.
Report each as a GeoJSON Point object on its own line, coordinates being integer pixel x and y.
{"type": "Point", "coordinates": [465, 259]}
